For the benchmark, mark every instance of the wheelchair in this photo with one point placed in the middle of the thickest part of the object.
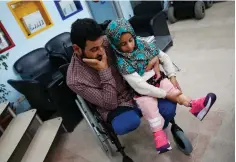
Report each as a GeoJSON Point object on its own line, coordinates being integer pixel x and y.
{"type": "Point", "coordinates": [105, 134]}
{"type": "Point", "coordinates": [187, 9]}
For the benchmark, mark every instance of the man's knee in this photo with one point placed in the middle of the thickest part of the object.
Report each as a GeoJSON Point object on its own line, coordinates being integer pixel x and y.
{"type": "Point", "coordinates": [167, 109]}
{"type": "Point", "coordinates": [126, 122]}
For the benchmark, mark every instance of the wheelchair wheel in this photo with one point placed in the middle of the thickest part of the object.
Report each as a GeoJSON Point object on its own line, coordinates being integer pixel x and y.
{"type": "Point", "coordinates": [182, 142]}
{"type": "Point", "coordinates": [171, 15]}
{"type": "Point", "coordinates": [95, 126]}
{"type": "Point", "coordinates": [199, 10]}
{"type": "Point", "coordinates": [208, 3]}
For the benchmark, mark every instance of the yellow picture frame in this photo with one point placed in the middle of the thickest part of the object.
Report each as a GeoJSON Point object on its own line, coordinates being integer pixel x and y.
{"type": "Point", "coordinates": [22, 9]}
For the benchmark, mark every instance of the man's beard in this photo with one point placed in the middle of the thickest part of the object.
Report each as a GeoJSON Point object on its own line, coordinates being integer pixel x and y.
{"type": "Point", "coordinates": [83, 55]}
{"type": "Point", "coordinates": [99, 57]}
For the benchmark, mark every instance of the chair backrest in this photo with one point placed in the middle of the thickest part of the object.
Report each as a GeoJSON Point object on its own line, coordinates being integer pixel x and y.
{"type": "Point", "coordinates": [68, 51]}
{"type": "Point", "coordinates": [56, 44]}
{"type": "Point", "coordinates": [161, 32]}
{"type": "Point", "coordinates": [148, 8]}
{"type": "Point", "coordinates": [35, 93]}
{"type": "Point", "coordinates": [159, 25]}
{"type": "Point", "coordinates": [105, 24]}
{"type": "Point", "coordinates": [33, 64]}
{"type": "Point", "coordinates": [141, 25]}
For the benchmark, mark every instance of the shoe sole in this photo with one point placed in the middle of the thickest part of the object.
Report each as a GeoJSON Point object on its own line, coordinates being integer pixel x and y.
{"type": "Point", "coordinates": [163, 150]}
{"type": "Point", "coordinates": [209, 101]}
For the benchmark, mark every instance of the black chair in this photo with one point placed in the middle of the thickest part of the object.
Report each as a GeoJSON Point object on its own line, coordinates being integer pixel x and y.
{"type": "Point", "coordinates": [161, 31]}
{"type": "Point", "coordinates": [147, 8]}
{"type": "Point", "coordinates": [63, 69]}
{"type": "Point", "coordinates": [39, 72]}
{"type": "Point", "coordinates": [54, 100]}
{"type": "Point", "coordinates": [58, 45]}
{"type": "Point", "coordinates": [36, 63]}
{"type": "Point", "coordinates": [144, 11]}
{"type": "Point", "coordinates": [37, 96]}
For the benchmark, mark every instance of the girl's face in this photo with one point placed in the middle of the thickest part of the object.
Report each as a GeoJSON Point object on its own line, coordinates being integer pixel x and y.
{"type": "Point", "coordinates": [127, 43]}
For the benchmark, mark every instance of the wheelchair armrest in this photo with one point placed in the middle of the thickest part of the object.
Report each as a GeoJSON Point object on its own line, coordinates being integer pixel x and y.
{"type": "Point", "coordinates": [58, 59]}
{"type": "Point", "coordinates": [48, 79]}
{"type": "Point", "coordinates": [28, 76]}
{"type": "Point", "coordinates": [55, 83]}
{"type": "Point", "coordinates": [59, 90]}
{"type": "Point", "coordinates": [54, 89]}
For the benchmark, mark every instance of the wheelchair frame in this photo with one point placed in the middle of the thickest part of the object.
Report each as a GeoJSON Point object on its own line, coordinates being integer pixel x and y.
{"type": "Point", "coordinates": [103, 131]}
{"type": "Point", "coordinates": [105, 134]}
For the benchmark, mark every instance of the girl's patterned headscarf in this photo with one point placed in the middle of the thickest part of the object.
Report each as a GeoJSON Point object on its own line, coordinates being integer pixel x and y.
{"type": "Point", "coordinates": [135, 61]}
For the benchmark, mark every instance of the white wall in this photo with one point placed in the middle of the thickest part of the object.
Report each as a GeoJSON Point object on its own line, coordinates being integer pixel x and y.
{"type": "Point", "coordinates": [126, 9]}
{"type": "Point", "coordinates": [24, 45]}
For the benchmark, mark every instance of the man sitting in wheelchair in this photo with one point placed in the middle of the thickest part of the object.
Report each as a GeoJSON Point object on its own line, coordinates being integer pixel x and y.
{"type": "Point", "coordinates": [93, 75]}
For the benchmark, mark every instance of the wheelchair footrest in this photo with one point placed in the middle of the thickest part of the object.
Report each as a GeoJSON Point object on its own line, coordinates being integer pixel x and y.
{"type": "Point", "coordinates": [122, 149]}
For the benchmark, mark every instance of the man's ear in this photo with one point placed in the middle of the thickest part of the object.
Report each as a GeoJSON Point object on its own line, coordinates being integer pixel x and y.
{"type": "Point", "coordinates": [77, 49]}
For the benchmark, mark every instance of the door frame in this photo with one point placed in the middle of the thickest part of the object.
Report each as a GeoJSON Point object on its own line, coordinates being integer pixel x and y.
{"type": "Point", "coordinates": [115, 5]}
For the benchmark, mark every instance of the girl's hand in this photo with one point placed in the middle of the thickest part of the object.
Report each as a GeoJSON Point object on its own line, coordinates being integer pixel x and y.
{"type": "Point", "coordinates": [151, 64]}
{"type": "Point", "coordinates": [154, 64]}
{"type": "Point", "coordinates": [157, 69]}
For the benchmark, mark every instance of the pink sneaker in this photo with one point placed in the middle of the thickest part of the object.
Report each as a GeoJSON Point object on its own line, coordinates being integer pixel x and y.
{"type": "Point", "coordinates": [162, 143]}
{"type": "Point", "coordinates": [201, 106]}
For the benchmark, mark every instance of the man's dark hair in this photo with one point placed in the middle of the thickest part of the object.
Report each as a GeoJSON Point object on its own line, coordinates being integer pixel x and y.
{"type": "Point", "coordinates": [83, 30]}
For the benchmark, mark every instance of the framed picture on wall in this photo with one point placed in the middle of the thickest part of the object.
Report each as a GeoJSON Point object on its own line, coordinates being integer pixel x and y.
{"type": "Point", "coordinates": [33, 22]}
{"type": "Point", "coordinates": [68, 8]}
{"type": "Point", "coordinates": [6, 42]}
{"type": "Point", "coordinates": [31, 16]}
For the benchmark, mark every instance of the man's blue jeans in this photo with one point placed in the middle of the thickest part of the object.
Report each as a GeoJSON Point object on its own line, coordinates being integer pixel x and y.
{"type": "Point", "coordinates": [129, 120]}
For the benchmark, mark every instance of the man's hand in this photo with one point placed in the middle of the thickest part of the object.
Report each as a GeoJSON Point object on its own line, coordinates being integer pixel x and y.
{"type": "Point", "coordinates": [173, 97]}
{"type": "Point", "coordinates": [96, 64]}
{"type": "Point", "coordinates": [175, 82]}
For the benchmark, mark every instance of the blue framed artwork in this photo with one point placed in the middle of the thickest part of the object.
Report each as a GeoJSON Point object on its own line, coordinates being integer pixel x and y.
{"type": "Point", "coordinates": [68, 8]}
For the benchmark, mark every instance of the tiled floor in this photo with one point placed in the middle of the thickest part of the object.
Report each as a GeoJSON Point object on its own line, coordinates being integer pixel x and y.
{"type": "Point", "coordinates": [204, 50]}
